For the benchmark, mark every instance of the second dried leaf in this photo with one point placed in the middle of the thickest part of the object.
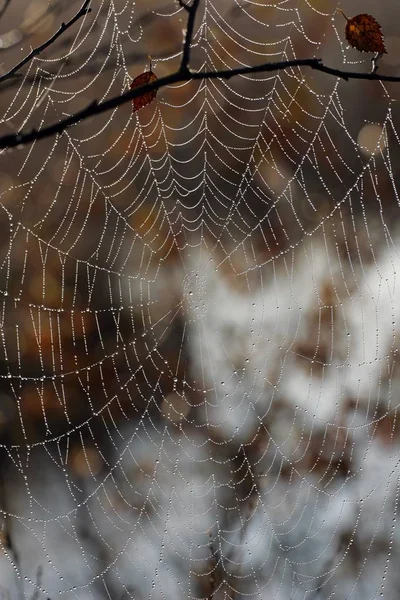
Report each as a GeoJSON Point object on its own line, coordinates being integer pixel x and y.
{"type": "Point", "coordinates": [364, 33]}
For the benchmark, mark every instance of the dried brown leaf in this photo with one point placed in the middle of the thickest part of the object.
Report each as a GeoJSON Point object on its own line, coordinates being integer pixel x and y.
{"type": "Point", "coordinates": [147, 97]}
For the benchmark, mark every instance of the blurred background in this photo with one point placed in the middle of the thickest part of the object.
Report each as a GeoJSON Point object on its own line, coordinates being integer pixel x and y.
{"type": "Point", "coordinates": [199, 316]}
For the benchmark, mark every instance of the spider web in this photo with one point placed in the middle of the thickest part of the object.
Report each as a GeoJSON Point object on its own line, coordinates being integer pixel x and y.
{"type": "Point", "coordinates": [199, 319]}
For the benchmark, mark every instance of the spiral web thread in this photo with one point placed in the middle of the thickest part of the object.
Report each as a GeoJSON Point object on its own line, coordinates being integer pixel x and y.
{"type": "Point", "coordinates": [199, 314]}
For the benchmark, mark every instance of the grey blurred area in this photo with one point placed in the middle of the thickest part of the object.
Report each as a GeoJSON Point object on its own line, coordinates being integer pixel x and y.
{"type": "Point", "coordinates": [198, 309]}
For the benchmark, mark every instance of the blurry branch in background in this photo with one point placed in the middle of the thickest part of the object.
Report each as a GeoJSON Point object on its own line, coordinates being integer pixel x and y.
{"type": "Point", "coordinates": [213, 562]}
{"type": "Point", "coordinates": [39, 574]}
{"type": "Point", "coordinates": [3, 7]}
{"type": "Point", "coordinates": [84, 10]}
{"type": "Point", "coordinates": [133, 58]}
{"type": "Point", "coordinates": [183, 74]}
{"type": "Point", "coordinates": [29, 25]}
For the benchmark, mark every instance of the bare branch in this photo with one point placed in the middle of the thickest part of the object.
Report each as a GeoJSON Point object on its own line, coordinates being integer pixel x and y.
{"type": "Point", "coordinates": [64, 26]}
{"type": "Point", "coordinates": [95, 108]}
{"type": "Point", "coordinates": [192, 10]}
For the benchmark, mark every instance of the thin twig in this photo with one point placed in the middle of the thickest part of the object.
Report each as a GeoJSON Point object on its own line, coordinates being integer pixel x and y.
{"type": "Point", "coordinates": [64, 26]}
{"type": "Point", "coordinates": [192, 10]}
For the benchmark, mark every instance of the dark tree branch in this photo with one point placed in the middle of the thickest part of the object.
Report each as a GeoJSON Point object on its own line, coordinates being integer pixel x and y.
{"type": "Point", "coordinates": [192, 10]}
{"type": "Point", "coordinates": [16, 139]}
{"type": "Point", "coordinates": [64, 26]}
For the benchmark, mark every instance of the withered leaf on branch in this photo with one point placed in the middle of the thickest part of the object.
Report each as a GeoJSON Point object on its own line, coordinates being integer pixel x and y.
{"type": "Point", "coordinates": [147, 97]}
{"type": "Point", "coordinates": [364, 33]}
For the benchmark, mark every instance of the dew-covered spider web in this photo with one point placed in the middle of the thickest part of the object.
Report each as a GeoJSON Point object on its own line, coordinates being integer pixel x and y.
{"type": "Point", "coordinates": [199, 309]}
